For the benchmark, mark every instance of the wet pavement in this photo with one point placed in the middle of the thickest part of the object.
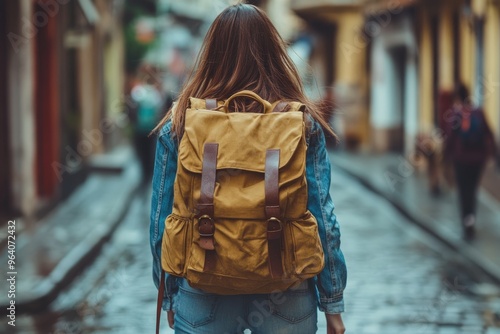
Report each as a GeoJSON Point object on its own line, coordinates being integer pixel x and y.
{"type": "Point", "coordinates": [404, 183]}
{"type": "Point", "coordinates": [400, 280]}
{"type": "Point", "coordinates": [49, 251]}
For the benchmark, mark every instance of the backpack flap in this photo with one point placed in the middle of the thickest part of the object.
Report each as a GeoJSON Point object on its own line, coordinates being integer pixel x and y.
{"type": "Point", "coordinates": [243, 139]}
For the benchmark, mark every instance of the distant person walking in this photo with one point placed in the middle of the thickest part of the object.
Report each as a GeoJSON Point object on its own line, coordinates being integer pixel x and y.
{"type": "Point", "coordinates": [468, 146]}
{"type": "Point", "coordinates": [144, 117]}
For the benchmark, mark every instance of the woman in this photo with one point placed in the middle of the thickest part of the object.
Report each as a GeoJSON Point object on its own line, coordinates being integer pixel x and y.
{"type": "Point", "coordinates": [468, 146]}
{"type": "Point", "coordinates": [243, 51]}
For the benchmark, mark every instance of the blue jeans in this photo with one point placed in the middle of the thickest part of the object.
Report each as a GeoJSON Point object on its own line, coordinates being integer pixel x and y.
{"type": "Point", "coordinates": [291, 312]}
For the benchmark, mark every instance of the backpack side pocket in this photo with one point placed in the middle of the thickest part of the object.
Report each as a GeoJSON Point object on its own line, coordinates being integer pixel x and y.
{"type": "Point", "coordinates": [176, 243]}
{"type": "Point", "coordinates": [308, 257]}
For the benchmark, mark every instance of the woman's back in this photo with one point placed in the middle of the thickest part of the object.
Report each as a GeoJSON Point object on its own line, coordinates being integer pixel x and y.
{"type": "Point", "coordinates": [243, 51]}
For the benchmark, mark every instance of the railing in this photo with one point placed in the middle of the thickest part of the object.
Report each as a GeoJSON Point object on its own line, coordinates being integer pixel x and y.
{"type": "Point", "coordinates": [311, 4]}
{"type": "Point", "coordinates": [299, 5]}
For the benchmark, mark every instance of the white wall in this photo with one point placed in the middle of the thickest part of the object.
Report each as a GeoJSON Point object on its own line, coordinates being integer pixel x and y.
{"type": "Point", "coordinates": [411, 103]}
{"type": "Point", "coordinates": [386, 85]}
{"type": "Point", "coordinates": [382, 113]}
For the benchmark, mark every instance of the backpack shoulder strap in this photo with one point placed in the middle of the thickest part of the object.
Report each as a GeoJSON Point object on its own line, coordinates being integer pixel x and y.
{"type": "Point", "coordinates": [195, 103]}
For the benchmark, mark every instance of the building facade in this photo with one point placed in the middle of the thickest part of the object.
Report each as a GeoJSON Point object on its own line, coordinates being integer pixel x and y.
{"type": "Point", "coordinates": [395, 64]}
{"type": "Point", "coordinates": [60, 75]}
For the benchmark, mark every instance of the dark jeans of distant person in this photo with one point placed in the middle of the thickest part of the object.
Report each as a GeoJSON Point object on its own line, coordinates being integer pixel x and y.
{"type": "Point", "coordinates": [468, 176]}
{"type": "Point", "coordinates": [145, 147]}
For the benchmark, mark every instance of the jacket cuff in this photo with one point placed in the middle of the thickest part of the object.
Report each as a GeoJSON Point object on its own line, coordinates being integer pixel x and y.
{"type": "Point", "coordinates": [332, 307]}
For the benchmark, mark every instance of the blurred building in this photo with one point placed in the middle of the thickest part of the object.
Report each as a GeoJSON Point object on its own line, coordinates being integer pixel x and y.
{"type": "Point", "coordinates": [61, 84]}
{"type": "Point", "coordinates": [392, 65]}
{"type": "Point", "coordinates": [182, 28]}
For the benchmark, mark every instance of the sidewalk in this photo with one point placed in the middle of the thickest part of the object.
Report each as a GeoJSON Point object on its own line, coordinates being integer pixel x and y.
{"type": "Point", "coordinates": [57, 248]}
{"type": "Point", "coordinates": [393, 177]}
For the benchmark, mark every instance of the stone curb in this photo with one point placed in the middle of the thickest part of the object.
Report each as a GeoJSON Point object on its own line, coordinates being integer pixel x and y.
{"type": "Point", "coordinates": [83, 254]}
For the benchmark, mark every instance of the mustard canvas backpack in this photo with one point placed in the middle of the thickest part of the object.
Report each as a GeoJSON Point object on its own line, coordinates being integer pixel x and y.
{"type": "Point", "coordinates": [240, 223]}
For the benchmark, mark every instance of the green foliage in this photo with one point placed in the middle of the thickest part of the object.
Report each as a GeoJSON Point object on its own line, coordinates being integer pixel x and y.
{"type": "Point", "coordinates": [135, 50]}
{"type": "Point", "coordinates": [137, 8]}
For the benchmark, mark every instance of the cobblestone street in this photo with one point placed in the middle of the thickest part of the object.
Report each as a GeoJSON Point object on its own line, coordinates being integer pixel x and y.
{"type": "Point", "coordinates": [399, 279]}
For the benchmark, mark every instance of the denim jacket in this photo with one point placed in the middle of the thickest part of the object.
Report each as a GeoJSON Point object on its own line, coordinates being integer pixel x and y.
{"type": "Point", "coordinates": [330, 283]}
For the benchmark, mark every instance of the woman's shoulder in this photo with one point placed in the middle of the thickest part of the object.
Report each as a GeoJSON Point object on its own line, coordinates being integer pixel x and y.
{"type": "Point", "coordinates": [166, 135]}
{"type": "Point", "coordinates": [314, 132]}
{"type": "Point", "coordinates": [166, 130]}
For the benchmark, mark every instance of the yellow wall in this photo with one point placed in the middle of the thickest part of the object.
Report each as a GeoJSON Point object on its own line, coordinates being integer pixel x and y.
{"type": "Point", "coordinates": [350, 51]}
{"type": "Point", "coordinates": [350, 73]}
{"type": "Point", "coordinates": [425, 72]}
{"type": "Point", "coordinates": [113, 71]}
{"type": "Point", "coordinates": [446, 46]}
{"type": "Point", "coordinates": [492, 67]}
{"type": "Point", "coordinates": [479, 6]}
{"type": "Point", "coordinates": [89, 92]}
{"type": "Point", "coordinates": [467, 47]}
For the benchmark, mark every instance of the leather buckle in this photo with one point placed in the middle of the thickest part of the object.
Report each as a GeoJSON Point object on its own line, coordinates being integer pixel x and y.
{"type": "Point", "coordinates": [206, 226]}
{"type": "Point", "coordinates": [274, 228]}
{"type": "Point", "coordinates": [272, 222]}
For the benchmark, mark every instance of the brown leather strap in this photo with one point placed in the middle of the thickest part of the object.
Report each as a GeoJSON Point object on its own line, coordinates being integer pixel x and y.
{"type": "Point", "coordinates": [208, 174]}
{"type": "Point", "coordinates": [274, 225]}
{"type": "Point", "coordinates": [209, 265]}
{"type": "Point", "coordinates": [280, 106]}
{"type": "Point", "coordinates": [274, 235]}
{"type": "Point", "coordinates": [210, 103]}
{"type": "Point", "coordinates": [206, 226]}
{"type": "Point", "coordinates": [271, 181]}
{"type": "Point", "coordinates": [159, 302]}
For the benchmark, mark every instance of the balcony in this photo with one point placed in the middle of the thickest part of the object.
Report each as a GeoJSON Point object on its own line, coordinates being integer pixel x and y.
{"type": "Point", "coordinates": [325, 7]}
{"type": "Point", "coordinates": [319, 5]}
{"type": "Point", "coordinates": [391, 5]}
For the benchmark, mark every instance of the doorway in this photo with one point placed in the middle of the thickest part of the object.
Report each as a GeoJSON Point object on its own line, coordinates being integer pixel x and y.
{"type": "Point", "coordinates": [396, 104]}
{"type": "Point", "coordinates": [46, 106]}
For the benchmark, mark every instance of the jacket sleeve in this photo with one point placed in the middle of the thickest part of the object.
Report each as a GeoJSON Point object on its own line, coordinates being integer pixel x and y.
{"type": "Point", "coordinates": [161, 206]}
{"type": "Point", "coordinates": [331, 281]}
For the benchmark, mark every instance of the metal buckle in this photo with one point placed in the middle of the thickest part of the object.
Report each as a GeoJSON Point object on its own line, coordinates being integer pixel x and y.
{"type": "Point", "coordinates": [206, 217]}
{"type": "Point", "coordinates": [210, 222]}
{"type": "Point", "coordinates": [274, 219]}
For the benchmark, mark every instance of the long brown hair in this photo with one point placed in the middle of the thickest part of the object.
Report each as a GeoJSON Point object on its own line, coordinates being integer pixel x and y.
{"type": "Point", "coordinates": [242, 50]}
